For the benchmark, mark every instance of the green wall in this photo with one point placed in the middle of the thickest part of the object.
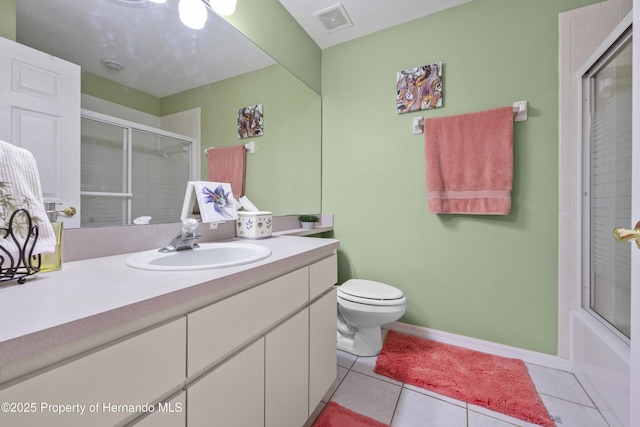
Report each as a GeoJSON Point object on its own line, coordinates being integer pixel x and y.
{"type": "Point", "coordinates": [111, 91]}
{"type": "Point", "coordinates": [283, 176]}
{"type": "Point", "coordinates": [271, 28]}
{"type": "Point", "coordinates": [8, 19]}
{"type": "Point", "coordinates": [488, 277]}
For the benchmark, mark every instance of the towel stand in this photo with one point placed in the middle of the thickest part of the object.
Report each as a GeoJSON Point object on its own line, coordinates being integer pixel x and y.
{"type": "Point", "coordinates": [519, 115]}
{"type": "Point", "coordinates": [249, 146]}
{"type": "Point", "coordinates": [25, 263]}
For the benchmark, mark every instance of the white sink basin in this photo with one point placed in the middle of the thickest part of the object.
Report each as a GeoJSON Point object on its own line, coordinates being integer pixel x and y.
{"type": "Point", "coordinates": [207, 256]}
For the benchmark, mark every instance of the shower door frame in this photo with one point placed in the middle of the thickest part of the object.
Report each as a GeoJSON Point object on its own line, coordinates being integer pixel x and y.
{"type": "Point", "coordinates": [606, 364]}
{"type": "Point", "coordinates": [606, 54]}
{"type": "Point", "coordinates": [634, 411]}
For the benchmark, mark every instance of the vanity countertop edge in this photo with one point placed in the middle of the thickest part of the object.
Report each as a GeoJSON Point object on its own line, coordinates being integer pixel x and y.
{"type": "Point", "coordinates": [94, 296]}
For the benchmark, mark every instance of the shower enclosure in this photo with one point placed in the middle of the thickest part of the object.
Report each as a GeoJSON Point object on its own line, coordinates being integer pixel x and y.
{"type": "Point", "coordinates": [601, 327]}
{"type": "Point", "coordinates": [607, 88]}
{"type": "Point", "coordinates": [131, 171]}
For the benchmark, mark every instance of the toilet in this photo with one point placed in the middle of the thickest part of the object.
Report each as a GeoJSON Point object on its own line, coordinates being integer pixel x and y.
{"type": "Point", "coordinates": [363, 306]}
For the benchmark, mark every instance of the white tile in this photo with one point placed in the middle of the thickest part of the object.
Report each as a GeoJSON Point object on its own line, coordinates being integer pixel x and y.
{"type": "Point", "coordinates": [345, 359]}
{"type": "Point", "coordinates": [572, 414]}
{"type": "Point", "coordinates": [401, 405]}
{"type": "Point", "coordinates": [368, 396]}
{"type": "Point", "coordinates": [365, 365]}
{"type": "Point", "coordinates": [560, 384]}
{"type": "Point", "coordinates": [499, 416]}
{"type": "Point", "coordinates": [476, 419]}
{"type": "Point", "coordinates": [436, 395]}
{"type": "Point", "coordinates": [418, 410]}
{"type": "Point", "coordinates": [342, 372]}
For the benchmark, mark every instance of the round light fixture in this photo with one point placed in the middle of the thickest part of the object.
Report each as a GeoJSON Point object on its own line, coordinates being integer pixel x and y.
{"type": "Point", "coordinates": [223, 7]}
{"type": "Point", "coordinates": [193, 13]}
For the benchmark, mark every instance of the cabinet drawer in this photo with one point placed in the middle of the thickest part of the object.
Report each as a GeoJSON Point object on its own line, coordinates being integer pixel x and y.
{"type": "Point", "coordinates": [133, 372]}
{"type": "Point", "coordinates": [216, 331]}
{"type": "Point", "coordinates": [322, 275]}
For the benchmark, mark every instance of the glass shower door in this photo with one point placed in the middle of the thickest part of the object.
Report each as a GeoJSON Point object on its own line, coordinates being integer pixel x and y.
{"type": "Point", "coordinates": [159, 176]}
{"type": "Point", "coordinates": [608, 190]}
{"type": "Point", "coordinates": [105, 191]}
{"type": "Point", "coordinates": [131, 171]}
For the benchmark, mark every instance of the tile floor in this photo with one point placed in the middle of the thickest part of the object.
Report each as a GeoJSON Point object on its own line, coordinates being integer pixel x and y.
{"type": "Point", "coordinates": [401, 405]}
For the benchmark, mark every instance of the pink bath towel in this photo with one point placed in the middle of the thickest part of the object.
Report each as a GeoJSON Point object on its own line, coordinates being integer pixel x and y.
{"type": "Point", "coordinates": [469, 162]}
{"type": "Point", "coordinates": [227, 164]}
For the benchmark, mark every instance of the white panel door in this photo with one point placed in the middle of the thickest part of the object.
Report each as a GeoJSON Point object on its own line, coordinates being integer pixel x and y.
{"type": "Point", "coordinates": [40, 111]}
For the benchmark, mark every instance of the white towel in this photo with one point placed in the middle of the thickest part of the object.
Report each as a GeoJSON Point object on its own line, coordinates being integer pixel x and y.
{"type": "Point", "coordinates": [20, 189]}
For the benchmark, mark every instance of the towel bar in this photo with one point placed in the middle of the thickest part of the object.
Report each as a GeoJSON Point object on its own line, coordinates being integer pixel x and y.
{"type": "Point", "coordinates": [519, 115]}
{"type": "Point", "coordinates": [520, 111]}
{"type": "Point", "coordinates": [249, 146]}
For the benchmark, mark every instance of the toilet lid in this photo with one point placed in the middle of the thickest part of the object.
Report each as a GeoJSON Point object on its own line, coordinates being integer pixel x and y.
{"type": "Point", "coordinates": [356, 289]}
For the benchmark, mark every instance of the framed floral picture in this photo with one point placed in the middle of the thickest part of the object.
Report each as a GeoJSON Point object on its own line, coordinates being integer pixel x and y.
{"type": "Point", "coordinates": [250, 121]}
{"type": "Point", "coordinates": [209, 202]}
{"type": "Point", "coordinates": [419, 88]}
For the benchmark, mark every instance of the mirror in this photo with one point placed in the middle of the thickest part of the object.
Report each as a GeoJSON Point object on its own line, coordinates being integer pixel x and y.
{"type": "Point", "coordinates": [170, 69]}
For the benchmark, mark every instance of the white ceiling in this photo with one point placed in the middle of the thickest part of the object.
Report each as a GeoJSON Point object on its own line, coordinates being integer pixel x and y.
{"type": "Point", "coordinates": [162, 57]}
{"type": "Point", "coordinates": [367, 16]}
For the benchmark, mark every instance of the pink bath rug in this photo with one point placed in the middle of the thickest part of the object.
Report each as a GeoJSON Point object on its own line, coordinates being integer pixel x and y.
{"type": "Point", "coordinates": [334, 415]}
{"type": "Point", "coordinates": [497, 383]}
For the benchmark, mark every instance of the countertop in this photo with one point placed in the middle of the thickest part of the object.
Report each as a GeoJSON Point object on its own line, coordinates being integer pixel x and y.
{"type": "Point", "coordinates": [95, 295]}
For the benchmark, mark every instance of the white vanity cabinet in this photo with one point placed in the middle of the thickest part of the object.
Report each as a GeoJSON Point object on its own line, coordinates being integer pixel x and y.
{"type": "Point", "coordinates": [268, 354]}
{"type": "Point", "coordinates": [301, 353]}
{"type": "Point", "coordinates": [92, 389]}
{"type": "Point", "coordinates": [262, 357]}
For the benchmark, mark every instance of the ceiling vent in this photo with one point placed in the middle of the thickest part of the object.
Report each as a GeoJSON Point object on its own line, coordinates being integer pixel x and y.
{"type": "Point", "coordinates": [334, 18]}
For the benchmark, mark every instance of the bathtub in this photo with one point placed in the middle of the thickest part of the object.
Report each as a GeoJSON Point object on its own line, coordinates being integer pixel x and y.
{"type": "Point", "coordinates": [601, 362]}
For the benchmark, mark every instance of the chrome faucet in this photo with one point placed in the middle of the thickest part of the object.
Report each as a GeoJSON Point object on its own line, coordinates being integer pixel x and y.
{"type": "Point", "coordinates": [186, 239]}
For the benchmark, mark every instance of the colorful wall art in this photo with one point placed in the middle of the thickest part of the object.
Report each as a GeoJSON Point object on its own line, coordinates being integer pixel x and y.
{"type": "Point", "coordinates": [419, 88]}
{"type": "Point", "coordinates": [250, 121]}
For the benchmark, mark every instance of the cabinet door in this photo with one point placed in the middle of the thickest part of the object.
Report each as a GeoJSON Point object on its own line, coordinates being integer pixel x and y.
{"type": "Point", "coordinates": [40, 111]}
{"type": "Point", "coordinates": [103, 388]}
{"type": "Point", "coordinates": [172, 413]}
{"type": "Point", "coordinates": [232, 394]}
{"type": "Point", "coordinates": [322, 347]}
{"type": "Point", "coordinates": [286, 376]}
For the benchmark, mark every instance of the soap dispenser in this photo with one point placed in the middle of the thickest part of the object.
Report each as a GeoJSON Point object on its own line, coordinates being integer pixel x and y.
{"type": "Point", "coordinates": [53, 261]}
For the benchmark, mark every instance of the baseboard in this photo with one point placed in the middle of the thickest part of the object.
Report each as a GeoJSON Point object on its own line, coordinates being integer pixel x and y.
{"type": "Point", "coordinates": [527, 356]}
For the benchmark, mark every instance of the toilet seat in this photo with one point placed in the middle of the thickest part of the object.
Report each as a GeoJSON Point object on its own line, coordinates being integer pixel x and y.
{"type": "Point", "coordinates": [370, 293]}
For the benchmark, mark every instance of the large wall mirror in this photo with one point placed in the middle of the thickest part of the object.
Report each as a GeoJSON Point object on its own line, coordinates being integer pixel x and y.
{"type": "Point", "coordinates": [171, 71]}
